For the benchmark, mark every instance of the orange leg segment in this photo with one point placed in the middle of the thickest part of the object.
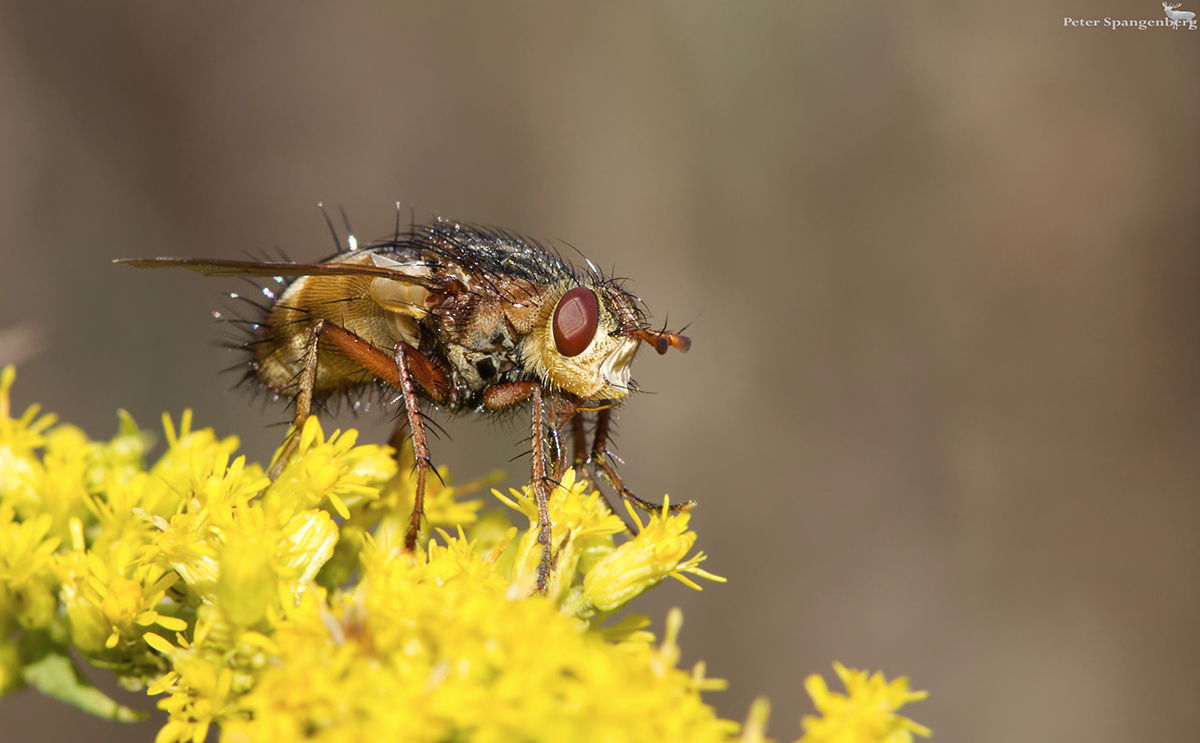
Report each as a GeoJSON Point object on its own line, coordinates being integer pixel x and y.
{"type": "Point", "coordinates": [503, 396]}
{"type": "Point", "coordinates": [404, 370]}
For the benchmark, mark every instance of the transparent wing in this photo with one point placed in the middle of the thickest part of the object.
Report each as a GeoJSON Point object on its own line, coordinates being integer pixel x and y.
{"type": "Point", "coordinates": [259, 268]}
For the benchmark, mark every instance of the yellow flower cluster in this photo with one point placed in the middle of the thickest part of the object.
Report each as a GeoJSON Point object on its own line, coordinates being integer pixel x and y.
{"type": "Point", "coordinates": [287, 610]}
{"type": "Point", "coordinates": [867, 711]}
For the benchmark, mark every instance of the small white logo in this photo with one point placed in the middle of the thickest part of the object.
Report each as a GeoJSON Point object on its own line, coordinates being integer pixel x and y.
{"type": "Point", "coordinates": [1178, 15]}
{"type": "Point", "coordinates": [1175, 20]}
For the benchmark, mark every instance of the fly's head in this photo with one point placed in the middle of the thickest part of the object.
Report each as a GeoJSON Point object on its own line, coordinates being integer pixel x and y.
{"type": "Point", "coordinates": [586, 337]}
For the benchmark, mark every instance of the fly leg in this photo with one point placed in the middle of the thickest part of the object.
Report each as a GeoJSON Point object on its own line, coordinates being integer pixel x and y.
{"type": "Point", "coordinates": [582, 460]}
{"type": "Point", "coordinates": [308, 376]}
{"type": "Point", "coordinates": [404, 370]}
{"type": "Point", "coordinates": [579, 440]}
{"type": "Point", "coordinates": [558, 454]}
{"type": "Point", "coordinates": [503, 396]}
{"type": "Point", "coordinates": [361, 352]}
{"type": "Point", "coordinates": [541, 491]}
{"type": "Point", "coordinates": [414, 368]}
{"type": "Point", "coordinates": [562, 411]}
{"type": "Point", "coordinates": [599, 459]}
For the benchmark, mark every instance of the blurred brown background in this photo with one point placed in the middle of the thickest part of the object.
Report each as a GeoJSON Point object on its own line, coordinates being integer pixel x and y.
{"type": "Point", "coordinates": [940, 414]}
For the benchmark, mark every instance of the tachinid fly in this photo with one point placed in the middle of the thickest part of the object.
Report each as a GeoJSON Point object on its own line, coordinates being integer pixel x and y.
{"type": "Point", "coordinates": [466, 318]}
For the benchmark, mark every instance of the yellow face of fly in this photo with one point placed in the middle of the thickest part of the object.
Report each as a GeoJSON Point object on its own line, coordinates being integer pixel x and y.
{"type": "Point", "coordinates": [579, 343]}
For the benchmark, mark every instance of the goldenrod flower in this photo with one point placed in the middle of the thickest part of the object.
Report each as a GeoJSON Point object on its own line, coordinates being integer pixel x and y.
{"type": "Point", "coordinates": [114, 602]}
{"type": "Point", "coordinates": [579, 523]}
{"type": "Point", "coordinates": [866, 713]}
{"type": "Point", "coordinates": [27, 586]}
{"type": "Point", "coordinates": [288, 609]}
{"type": "Point", "coordinates": [19, 437]}
{"type": "Point", "coordinates": [435, 650]}
{"type": "Point", "coordinates": [643, 562]}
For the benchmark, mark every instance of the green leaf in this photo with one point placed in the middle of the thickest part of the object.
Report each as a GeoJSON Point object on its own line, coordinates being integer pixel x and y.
{"type": "Point", "coordinates": [55, 675]}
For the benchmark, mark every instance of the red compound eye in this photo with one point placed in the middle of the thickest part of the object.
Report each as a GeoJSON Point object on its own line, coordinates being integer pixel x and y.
{"type": "Point", "coordinates": [575, 321]}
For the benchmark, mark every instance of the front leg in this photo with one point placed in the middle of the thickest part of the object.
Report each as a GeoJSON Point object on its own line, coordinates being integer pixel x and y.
{"type": "Point", "coordinates": [563, 411]}
{"type": "Point", "coordinates": [581, 460]}
{"type": "Point", "coordinates": [599, 459]}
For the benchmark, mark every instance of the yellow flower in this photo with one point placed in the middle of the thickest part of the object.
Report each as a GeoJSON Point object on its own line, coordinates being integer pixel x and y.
{"type": "Point", "coordinates": [27, 585]}
{"type": "Point", "coordinates": [288, 609]}
{"type": "Point", "coordinates": [189, 458]}
{"type": "Point", "coordinates": [578, 522]}
{"type": "Point", "coordinates": [866, 713]}
{"type": "Point", "coordinates": [20, 436]}
{"type": "Point", "coordinates": [200, 692]}
{"type": "Point", "coordinates": [643, 562]}
{"type": "Point", "coordinates": [334, 470]}
{"type": "Point", "coordinates": [436, 649]}
{"type": "Point", "coordinates": [22, 474]}
{"type": "Point", "coordinates": [114, 601]}
{"type": "Point", "coordinates": [282, 538]}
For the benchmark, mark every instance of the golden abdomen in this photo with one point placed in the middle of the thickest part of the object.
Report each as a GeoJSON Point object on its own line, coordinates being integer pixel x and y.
{"type": "Point", "coordinates": [351, 302]}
